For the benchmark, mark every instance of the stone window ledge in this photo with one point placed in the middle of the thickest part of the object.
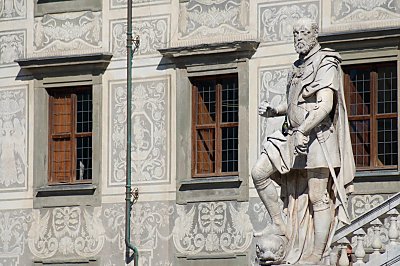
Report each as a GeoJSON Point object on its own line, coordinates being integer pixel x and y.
{"type": "Point", "coordinates": [66, 190]}
{"type": "Point", "coordinates": [210, 183]}
{"type": "Point", "coordinates": [43, 7]}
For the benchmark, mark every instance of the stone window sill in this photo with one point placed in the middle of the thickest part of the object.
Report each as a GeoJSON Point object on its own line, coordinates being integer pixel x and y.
{"type": "Point", "coordinates": [66, 190]}
{"type": "Point", "coordinates": [210, 189]}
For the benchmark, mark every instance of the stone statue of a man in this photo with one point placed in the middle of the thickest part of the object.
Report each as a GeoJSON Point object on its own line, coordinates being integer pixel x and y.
{"type": "Point", "coordinates": [310, 158]}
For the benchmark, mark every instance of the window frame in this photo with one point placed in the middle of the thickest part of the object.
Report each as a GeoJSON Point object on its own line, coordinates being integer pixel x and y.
{"type": "Point", "coordinates": [73, 134]}
{"type": "Point", "coordinates": [195, 61]}
{"type": "Point", "coordinates": [217, 125]}
{"type": "Point", "coordinates": [62, 72]}
{"type": "Point", "coordinates": [373, 117]}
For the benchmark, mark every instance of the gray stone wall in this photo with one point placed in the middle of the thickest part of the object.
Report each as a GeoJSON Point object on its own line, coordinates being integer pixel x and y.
{"type": "Point", "coordinates": [166, 233]}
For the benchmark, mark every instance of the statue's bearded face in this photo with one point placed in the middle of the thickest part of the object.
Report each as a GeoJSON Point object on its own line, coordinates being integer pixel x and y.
{"type": "Point", "coordinates": [305, 38]}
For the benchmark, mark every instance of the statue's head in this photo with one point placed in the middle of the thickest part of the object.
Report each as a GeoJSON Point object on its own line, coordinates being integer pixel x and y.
{"type": "Point", "coordinates": [305, 33]}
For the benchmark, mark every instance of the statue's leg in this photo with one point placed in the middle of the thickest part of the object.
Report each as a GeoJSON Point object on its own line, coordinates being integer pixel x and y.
{"type": "Point", "coordinates": [261, 173]}
{"type": "Point", "coordinates": [319, 198]}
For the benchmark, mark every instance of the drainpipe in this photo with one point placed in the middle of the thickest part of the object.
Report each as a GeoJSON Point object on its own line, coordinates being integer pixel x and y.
{"type": "Point", "coordinates": [128, 192]}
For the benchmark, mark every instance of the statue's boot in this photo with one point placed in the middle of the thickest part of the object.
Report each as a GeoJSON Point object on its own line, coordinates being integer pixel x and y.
{"type": "Point", "coordinates": [322, 222]}
{"type": "Point", "coordinates": [261, 173]}
{"type": "Point", "coordinates": [269, 196]}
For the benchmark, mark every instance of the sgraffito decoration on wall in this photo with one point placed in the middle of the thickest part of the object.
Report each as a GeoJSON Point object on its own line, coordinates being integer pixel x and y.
{"type": "Point", "coordinates": [153, 32]}
{"type": "Point", "coordinates": [65, 232]}
{"type": "Point", "coordinates": [276, 20]}
{"type": "Point", "coordinates": [151, 224]}
{"type": "Point", "coordinates": [350, 11]}
{"type": "Point", "coordinates": [272, 89]}
{"type": "Point", "coordinates": [13, 138]}
{"type": "Point", "coordinates": [12, 46]}
{"type": "Point", "coordinates": [12, 9]}
{"type": "Point", "coordinates": [212, 227]}
{"type": "Point", "coordinates": [13, 234]}
{"type": "Point", "coordinates": [68, 32]}
{"type": "Point", "coordinates": [149, 131]}
{"type": "Point", "coordinates": [123, 3]}
{"type": "Point", "coordinates": [363, 203]}
{"type": "Point", "coordinates": [200, 18]}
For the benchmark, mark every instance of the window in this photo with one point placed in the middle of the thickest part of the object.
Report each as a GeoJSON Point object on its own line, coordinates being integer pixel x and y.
{"type": "Point", "coordinates": [371, 98]}
{"type": "Point", "coordinates": [213, 95]}
{"type": "Point", "coordinates": [67, 137]}
{"type": "Point", "coordinates": [70, 135]}
{"type": "Point", "coordinates": [215, 118]}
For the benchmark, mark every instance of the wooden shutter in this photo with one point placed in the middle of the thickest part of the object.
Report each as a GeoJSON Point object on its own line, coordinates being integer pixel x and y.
{"type": "Point", "coordinates": [61, 119]}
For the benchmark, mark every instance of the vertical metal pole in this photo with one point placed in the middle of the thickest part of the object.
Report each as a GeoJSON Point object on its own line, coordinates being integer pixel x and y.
{"type": "Point", "coordinates": [128, 192]}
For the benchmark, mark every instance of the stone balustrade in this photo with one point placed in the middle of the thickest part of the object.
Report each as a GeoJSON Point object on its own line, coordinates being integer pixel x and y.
{"type": "Point", "coordinates": [371, 239]}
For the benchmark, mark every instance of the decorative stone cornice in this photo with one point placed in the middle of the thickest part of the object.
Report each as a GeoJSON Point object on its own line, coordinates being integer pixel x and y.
{"type": "Point", "coordinates": [40, 67]}
{"type": "Point", "coordinates": [248, 48]}
{"type": "Point", "coordinates": [360, 39]}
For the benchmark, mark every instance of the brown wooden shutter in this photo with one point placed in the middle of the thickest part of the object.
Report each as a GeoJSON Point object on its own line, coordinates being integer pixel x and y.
{"type": "Point", "coordinates": [61, 128]}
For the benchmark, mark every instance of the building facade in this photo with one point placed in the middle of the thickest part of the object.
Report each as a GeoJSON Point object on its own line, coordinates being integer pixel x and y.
{"type": "Point", "coordinates": [199, 73]}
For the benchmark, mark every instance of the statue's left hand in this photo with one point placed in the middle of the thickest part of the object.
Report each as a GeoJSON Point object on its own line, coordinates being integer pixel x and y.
{"type": "Point", "coordinates": [300, 143]}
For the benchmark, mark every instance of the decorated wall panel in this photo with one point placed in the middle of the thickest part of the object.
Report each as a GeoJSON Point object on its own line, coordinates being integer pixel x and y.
{"type": "Point", "coordinates": [153, 32]}
{"type": "Point", "coordinates": [12, 46]}
{"type": "Point", "coordinates": [149, 131]}
{"type": "Point", "coordinates": [212, 227]}
{"type": "Point", "coordinates": [360, 204]}
{"type": "Point", "coordinates": [66, 232]}
{"type": "Point", "coordinates": [13, 138]}
{"type": "Point", "coordinates": [275, 20]}
{"type": "Point", "coordinates": [12, 9]}
{"type": "Point", "coordinates": [205, 18]}
{"type": "Point", "coordinates": [14, 226]}
{"type": "Point", "coordinates": [68, 33]}
{"type": "Point", "coordinates": [350, 11]}
{"type": "Point", "coordinates": [272, 88]}
{"type": "Point", "coordinates": [151, 232]}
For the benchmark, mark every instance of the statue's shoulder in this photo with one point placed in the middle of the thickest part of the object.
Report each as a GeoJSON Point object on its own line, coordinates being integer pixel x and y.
{"type": "Point", "coordinates": [330, 55]}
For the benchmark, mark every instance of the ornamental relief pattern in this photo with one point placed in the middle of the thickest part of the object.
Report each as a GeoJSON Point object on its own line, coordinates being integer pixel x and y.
{"type": "Point", "coordinates": [123, 3]}
{"type": "Point", "coordinates": [347, 11]}
{"type": "Point", "coordinates": [276, 22]}
{"type": "Point", "coordinates": [13, 233]}
{"type": "Point", "coordinates": [74, 32]}
{"type": "Point", "coordinates": [363, 203]}
{"type": "Point", "coordinates": [153, 33]}
{"type": "Point", "coordinates": [12, 9]}
{"type": "Point", "coordinates": [201, 18]}
{"type": "Point", "coordinates": [12, 46]}
{"type": "Point", "coordinates": [66, 231]}
{"type": "Point", "coordinates": [150, 230]}
{"type": "Point", "coordinates": [149, 131]}
{"type": "Point", "coordinates": [212, 227]}
{"type": "Point", "coordinates": [13, 138]}
{"type": "Point", "coordinates": [272, 89]}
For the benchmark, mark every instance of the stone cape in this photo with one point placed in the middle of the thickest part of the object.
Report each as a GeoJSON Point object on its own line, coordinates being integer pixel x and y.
{"type": "Point", "coordinates": [294, 193]}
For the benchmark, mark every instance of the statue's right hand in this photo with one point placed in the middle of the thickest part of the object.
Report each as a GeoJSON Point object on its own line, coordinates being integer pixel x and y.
{"type": "Point", "coordinates": [266, 110]}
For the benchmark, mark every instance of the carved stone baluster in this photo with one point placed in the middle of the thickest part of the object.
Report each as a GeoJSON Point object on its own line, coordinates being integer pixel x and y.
{"type": "Point", "coordinates": [343, 260]}
{"type": "Point", "coordinates": [359, 252]}
{"type": "Point", "coordinates": [393, 233]}
{"type": "Point", "coordinates": [376, 240]}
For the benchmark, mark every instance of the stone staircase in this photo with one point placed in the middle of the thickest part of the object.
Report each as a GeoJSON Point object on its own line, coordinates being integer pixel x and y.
{"type": "Point", "coordinates": [372, 239]}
